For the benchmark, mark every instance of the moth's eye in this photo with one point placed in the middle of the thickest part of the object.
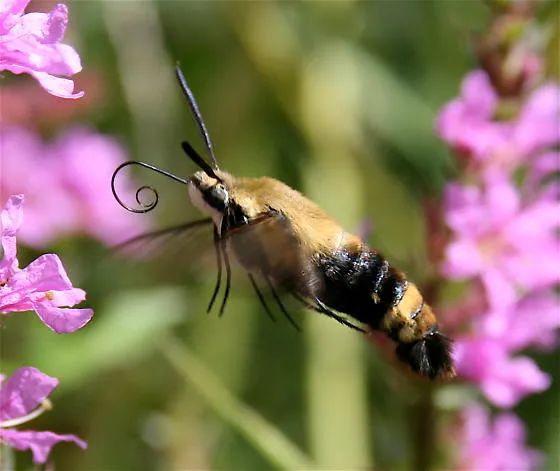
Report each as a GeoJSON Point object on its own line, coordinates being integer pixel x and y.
{"type": "Point", "coordinates": [217, 197]}
{"type": "Point", "coordinates": [220, 193]}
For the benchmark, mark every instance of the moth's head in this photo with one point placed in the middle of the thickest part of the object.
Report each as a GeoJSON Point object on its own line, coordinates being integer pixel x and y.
{"type": "Point", "coordinates": [209, 194]}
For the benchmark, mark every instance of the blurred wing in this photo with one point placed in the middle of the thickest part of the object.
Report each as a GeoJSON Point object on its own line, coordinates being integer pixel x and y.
{"type": "Point", "coordinates": [269, 249]}
{"type": "Point", "coordinates": [149, 243]}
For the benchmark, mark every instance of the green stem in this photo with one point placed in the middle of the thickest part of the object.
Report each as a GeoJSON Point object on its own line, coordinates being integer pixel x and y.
{"type": "Point", "coordinates": [424, 430]}
{"type": "Point", "coordinates": [264, 436]}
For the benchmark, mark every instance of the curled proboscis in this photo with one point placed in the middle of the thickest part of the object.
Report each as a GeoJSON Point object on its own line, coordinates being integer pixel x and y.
{"type": "Point", "coordinates": [144, 207]}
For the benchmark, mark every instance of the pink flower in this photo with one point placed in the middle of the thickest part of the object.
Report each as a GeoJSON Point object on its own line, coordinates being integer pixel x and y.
{"type": "Point", "coordinates": [534, 321]}
{"type": "Point", "coordinates": [43, 286]}
{"type": "Point", "coordinates": [469, 125]}
{"type": "Point", "coordinates": [541, 179]}
{"type": "Point", "coordinates": [496, 446]}
{"type": "Point", "coordinates": [31, 44]}
{"type": "Point", "coordinates": [501, 241]}
{"type": "Point", "coordinates": [23, 396]}
{"type": "Point", "coordinates": [67, 185]}
{"type": "Point", "coordinates": [466, 122]}
{"type": "Point", "coordinates": [538, 125]}
{"type": "Point", "coordinates": [503, 380]}
{"type": "Point", "coordinates": [86, 161]}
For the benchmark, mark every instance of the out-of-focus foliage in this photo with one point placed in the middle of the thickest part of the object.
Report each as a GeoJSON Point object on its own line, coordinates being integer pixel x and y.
{"type": "Point", "coordinates": [337, 99]}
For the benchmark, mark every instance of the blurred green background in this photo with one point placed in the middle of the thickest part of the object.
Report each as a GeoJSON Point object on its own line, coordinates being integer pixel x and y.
{"type": "Point", "coordinates": [337, 99]}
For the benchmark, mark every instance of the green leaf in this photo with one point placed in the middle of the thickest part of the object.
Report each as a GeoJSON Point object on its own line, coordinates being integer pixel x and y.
{"type": "Point", "coordinates": [127, 329]}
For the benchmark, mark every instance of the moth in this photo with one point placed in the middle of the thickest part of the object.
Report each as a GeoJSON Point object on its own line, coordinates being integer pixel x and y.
{"type": "Point", "coordinates": [278, 235]}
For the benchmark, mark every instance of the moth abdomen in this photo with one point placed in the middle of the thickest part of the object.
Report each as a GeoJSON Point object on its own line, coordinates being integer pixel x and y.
{"type": "Point", "coordinates": [430, 356]}
{"type": "Point", "coordinates": [361, 283]}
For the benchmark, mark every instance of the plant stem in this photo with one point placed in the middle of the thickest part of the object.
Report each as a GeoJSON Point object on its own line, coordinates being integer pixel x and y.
{"type": "Point", "coordinates": [424, 430]}
{"type": "Point", "coordinates": [264, 436]}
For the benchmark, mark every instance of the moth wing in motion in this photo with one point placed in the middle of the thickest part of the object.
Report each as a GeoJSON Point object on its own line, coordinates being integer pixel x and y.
{"type": "Point", "coordinates": [269, 249]}
{"type": "Point", "coordinates": [268, 243]}
{"type": "Point", "coordinates": [185, 248]}
{"type": "Point", "coordinates": [186, 231]}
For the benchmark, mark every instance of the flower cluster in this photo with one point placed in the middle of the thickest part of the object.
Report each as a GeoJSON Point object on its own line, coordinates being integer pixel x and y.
{"type": "Point", "coordinates": [66, 183]}
{"type": "Point", "coordinates": [497, 445]}
{"type": "Point", "coordinates": [43, 286]}
{"type": "Point", "coordinates": [30, 44]}
{"type": "Point", "coordinates": [469, 125]}
{"type": "Point", "coordinates": [504, 236]}
{"type": "Point", "coordinates": [504, 239]}
{"type": "Point", "coordinates": [23, 396]}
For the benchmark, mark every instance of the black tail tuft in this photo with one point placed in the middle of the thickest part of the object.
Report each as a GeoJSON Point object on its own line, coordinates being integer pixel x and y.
{"type": "Point", "coordinates": [430, 356]}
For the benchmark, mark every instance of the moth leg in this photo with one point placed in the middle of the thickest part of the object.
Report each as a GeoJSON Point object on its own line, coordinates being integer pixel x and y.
{"type": "Point", "coordinates": [261, 298]}
{"type": "Point", "coordinates": [281, 305]}
{"type": "Point", "coordinates": [223, 229]}
{"type": "Point", "coordinates": [218, 250]}
{"type": "Point", "coordinates": [228, 281]}
{"type": "Point", "coordinates": [323, 309]}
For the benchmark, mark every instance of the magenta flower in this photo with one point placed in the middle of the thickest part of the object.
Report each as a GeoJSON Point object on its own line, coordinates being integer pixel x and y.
{"type": "Point", "coordinates": [67, 185]}
{"type": "Point", "coordinates": [534, 321]}
{"type": "Point", "coordinates": [502, 379]}
{"type": "Point", "coordinates": [540, 180]}
{"type": "Point", "coordinates": [23, 397]}
{"type": "Point", "coordinates": [507, 244]}
{"type": "Point", "coordinates": [538, 126]}
{"type": "Point", "coordinates": [469, 125]}
{"type": "Point", "coordinates": [466, 122]}
{"type": "Point", "coordinates": [30, 44]}
{"type": "Point", "coordinates": [43, 286]}
{"type": "Point", "coordinates": [496, 446]}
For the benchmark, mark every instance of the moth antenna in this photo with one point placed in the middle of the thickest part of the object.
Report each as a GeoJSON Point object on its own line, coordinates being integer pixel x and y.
{"type": "Point", "coordinates": [145, 207]}
{"type": "Point", "coordinates": [196, 113]}
{"type": "Point", "coordinates": [198, 160]}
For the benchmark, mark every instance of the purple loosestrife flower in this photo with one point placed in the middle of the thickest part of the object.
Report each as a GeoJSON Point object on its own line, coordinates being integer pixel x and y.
{"type": "Point", "coordinates": [496, 446]}
{"type": "Point", "coordinates": [43, 286]}
{"type": "Point", "coordinates": [502, 379]}
{"type": "Point", "coordinates": [469, 124]}
{"type": "Point", "coordinates": [501, 240]}
{"type": "Point", "coordinates": [541, 180]}
{"type": "Point", "coordinates": [512, 248]}
{"type": "Point", "coordinates": [485, 355]}
{"type": "Point", "coordinates": [466, 122]}
{"type": "Point", "coordinates": [66, 183]}
{"type": "Point", "coordinates": [30, 43]}
{"type": "Point", "coordinates": [23, 396]}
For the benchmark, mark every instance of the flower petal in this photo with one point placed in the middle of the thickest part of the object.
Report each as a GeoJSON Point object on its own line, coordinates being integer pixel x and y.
{"type": "Point", "coordinates": [11, 8]}
{"type": "Point", "coordinates": [56, 24]}
{"type": "Point", "coordinates": [11, 218]}
{"type": "Point", "coordinates": [513, 379]}
{"type": "Point", "coordinates": [40, 443]}
{"type": "Point", "coordinates": [57, 86]}
{"type": "Point", "coordinates": [62, 320]}
{"type": "Point", "coordinates": [23, 391]}
{"type": "Point", "coordinates": [494, 447]}
{"type": "Point", "coordinates": [463, 259]}
{"type": "Point", "coordinates": [45, 273]}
